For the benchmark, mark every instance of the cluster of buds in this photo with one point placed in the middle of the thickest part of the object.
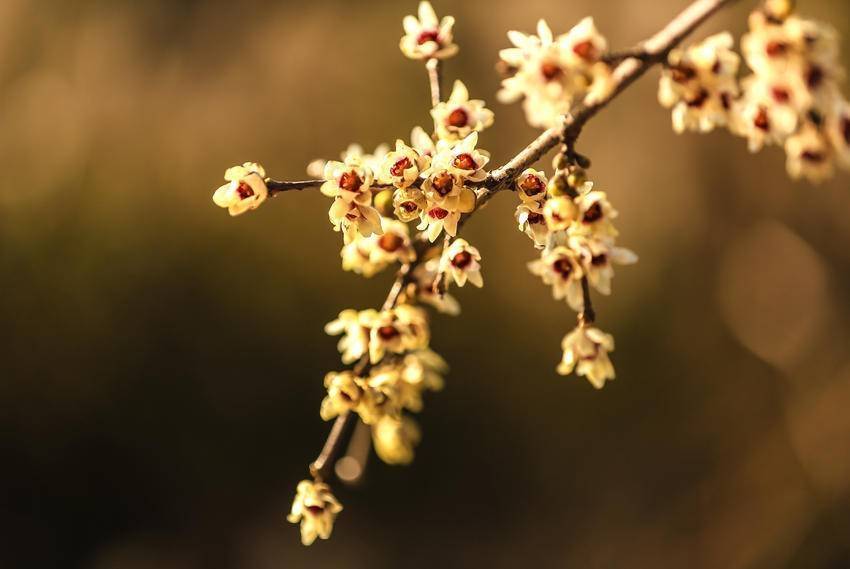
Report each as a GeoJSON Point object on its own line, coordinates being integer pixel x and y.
{"type": "Point", "coordinates": [791, 98]}
{"type": "Point", "coordinates": [572, 225]}
{"type": "Point", "coordinates": [551, 73]}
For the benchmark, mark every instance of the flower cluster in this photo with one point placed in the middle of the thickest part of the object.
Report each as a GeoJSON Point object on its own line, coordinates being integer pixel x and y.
{"type": "Point", "coordinates": [573, 227]}
{"type": "Point", "coordinates": [791, 98]}
{"type": "Point", "coordinates": [552, 73]}
{"type": "Point", "coordinates": [437, 176]}
{"type": "Point", "coordinates": [700, 84]}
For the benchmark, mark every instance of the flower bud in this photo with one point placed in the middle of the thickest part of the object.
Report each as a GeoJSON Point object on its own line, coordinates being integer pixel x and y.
{"type": "Point", "coordinates": [558, 184]}
{"type": "Point", "coordinates": [384, 203]}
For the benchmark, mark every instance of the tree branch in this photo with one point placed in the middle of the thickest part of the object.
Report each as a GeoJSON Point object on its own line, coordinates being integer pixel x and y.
{"type": "Point", "coordinates": [276, 186]}
{"type": "Point", "coordinates": [637, 61]}
{"type": "Point", "coordinates": [435, 80]}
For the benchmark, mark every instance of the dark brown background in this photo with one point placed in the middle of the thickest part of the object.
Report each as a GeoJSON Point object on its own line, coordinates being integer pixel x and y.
{"type": "Point", "coordinates": [162, 363]}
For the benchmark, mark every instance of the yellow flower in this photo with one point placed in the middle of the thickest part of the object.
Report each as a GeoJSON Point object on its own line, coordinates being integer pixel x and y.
{"type": "Point", "coordinates": [461, 262]}
{"type": "Point", "coordinates": [424, 276]}
{"type": "Point", "coordinates": [408, 204]}
{"type": "Point", "coordinates": [402, 166]}
{"type": "Point", "coordinates": [427, 37]}
{"type": "Point", "coordinates": [355, 336]}
{"type": "Point", "coordinates": [560, 213]}
{"type": "Point", "coordinates": [598, 255]}
{"type": "Point", "coordinates": [531, 186]}
{"type": "Point", "coordinates": [586, 351]}
{"type": "Point", "coordinates": [352, 218]}
{"type": "Point", "coordinates": [344, 393]}
{"type": "Point", "coordinates": [459, 116]}
{"type": "Point", "coordinates": [595, 215]}
{"type": "Point", "coordinates": [531, 221]}
{"type": "Point", "coordinates": [395, 439]}
{"type": "Point", "coordinates": [560, 268]}
{"type": "Point", "coordinates": [315, 507]}
{"type": "Point", "coordinates": [350, 181]}
{"type": "Point", "coordinates": [461, 159]}
{"type": "Point", "coordinates": [809, 156]}
{"type": "Point", "coordinates": [246, 189]}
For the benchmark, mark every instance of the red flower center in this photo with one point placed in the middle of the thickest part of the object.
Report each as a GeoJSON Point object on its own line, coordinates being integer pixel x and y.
{"type": "Point", "coordinates": [563, 267]}
{"type": "Point", "coordinates": [458, 118]}
{"type": "Point", "coordinates": [532, 185]}
{"type": "Point", "coordinates": [244, 191]}
{"type": "Point", "coordinates": [682, 73]}
{"type": "Point", "coordinates": [443, 183]}
{"type": "Point", "coordinates": [699, 100]}
{"type": "Point", "coordinates": [813, 156]}
{"type": "Point", "coordinates": [438, 213]}
{"type": "Point", "coordinates": [462, 260]}
{"type": "Point", "coordinates": [585, 50]}
{"type": "Point", "coordinates": [762, 122]}
{"type": "Point", "coordinates": [780, 94]}
{"type": "Point", "coordinates": [390, 242]}
{"type": "Point", "coordinates": [350, 182]}
{"type": "Point", "coordinates": [845, 130]}
{"type": "Point", "coordinates": [535, 218]}
{"type": "Point", "coordinates": [465, 162]}
{"type": "Point", "coordinates": [776, 48]}
{"type": "Point", "coordinates": [814, 76]}
{"type": "Point", "coordinates": [599, 260]}
{"type": "Point", "coordinates": [315, 510]}
{"type": "Point", "coordinates": [428, 35]}
{"type": "Point", "coordinates": [551, 71]}
{"type": "Point", "coordinates": [409, 207]}
{"type": "Point", "coordinates": [399, 167]}
{"type": "Point", "coordinates": [387, 333]}
{"type": "Point", "coordinates": [593, 213]}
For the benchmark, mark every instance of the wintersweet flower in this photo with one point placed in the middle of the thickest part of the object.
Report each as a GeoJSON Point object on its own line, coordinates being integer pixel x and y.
{"type": "Point", "coordinates": [344, 392]}
{"type": "Point", "coordinates": [700, 84]}
{"type": "Point", "coordinates": [408, 204]}
{"type": "Point", "coordinates": [422, 142]}
{"type": "Point", "coordinates": [595, 215]}
{"type": "Point", "coordinates": [246, 189]}
{"type": "Point", "coordinates": [316, 508]}
{"type": "Point", "coordinates": [428, 37]}
{"type": "Point", "coordinates": [532, 222]}
{"type": "Point", "coordinates": [552, 72]}
{"type": "Point", "coordinates": [561, 268]}
{"type": "Point", "coordinates": [560, 213]}
{"type": "Point", "coordinates": [350, 181]}
{"type": "Point", "coordinates": [597, 259]}
{"type": "Point", "coordinates": [586, 351]}
{"type": "Point", "coordinates": [531, 186]}
{"type": "Point", "coordinates": [393, 245]}
{"type": "Point", "coordinates": [809, 156]}
{"type": "Point", "coordinates": [461, 159]}
{"type": "Point", "coordinates": [402, 166]}
{"type": "Point", "coordinates": [459, 116]}
{"type": "Point", "coordinates": [424, 277]}
{"type": "Point", "coordinates": [352, 218]}
{"type": "Point", "coordinates": [760, 118]}
{"type": "Point", "coordinates": [461, 262]}
{"type": "Point", "coordinates": [396, 439]}
{"type": "Point", "coordinates": [357, 256]}
{"type": "Point", "coordinates": [355, 336]}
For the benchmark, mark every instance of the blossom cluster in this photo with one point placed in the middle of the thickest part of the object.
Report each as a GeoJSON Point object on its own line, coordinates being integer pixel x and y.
{"type": "Point", "coordinates": [573, 227]}
{"type": "Point", "coordinates": [791, 97]}
{"type": "Point", "coordinates": [550, 74]}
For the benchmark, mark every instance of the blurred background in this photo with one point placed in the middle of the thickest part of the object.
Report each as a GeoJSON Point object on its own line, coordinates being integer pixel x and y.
{"type": "Point", "coordinates": [161, 364]}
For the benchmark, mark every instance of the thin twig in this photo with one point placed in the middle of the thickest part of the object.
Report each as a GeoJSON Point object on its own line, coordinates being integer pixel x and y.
{"type": "Point", "coordinates": [435, 80]}
{"type": "Point", "coordinates": [587, 315]}
{"type": "Point", "coordinates": [277, 186]}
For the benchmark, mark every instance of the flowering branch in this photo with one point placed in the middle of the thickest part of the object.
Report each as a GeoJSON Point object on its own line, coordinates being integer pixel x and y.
{"type": "Point", "coordinates": [441, 180]}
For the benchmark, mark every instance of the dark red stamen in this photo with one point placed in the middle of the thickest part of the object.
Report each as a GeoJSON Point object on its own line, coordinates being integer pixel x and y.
{"type": "Point", "coordinates": [458, 118]}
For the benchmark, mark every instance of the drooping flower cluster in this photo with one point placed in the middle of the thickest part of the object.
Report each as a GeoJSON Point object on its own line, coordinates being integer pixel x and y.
{"type": "Point", "coordinates": [790, 99]}
{"type": "Point", "coordinates": [573, 227]}
{"type": "Point", "coordinates": [700, 84]}
{"type": "Point", "coordinates": [552, 73]}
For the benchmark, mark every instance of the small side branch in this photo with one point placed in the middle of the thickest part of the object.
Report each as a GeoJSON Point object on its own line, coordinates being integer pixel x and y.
{"type": "Point", "coordinates": [276, 186]}
{"type": "Point", "coordinates": [435, 80]}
